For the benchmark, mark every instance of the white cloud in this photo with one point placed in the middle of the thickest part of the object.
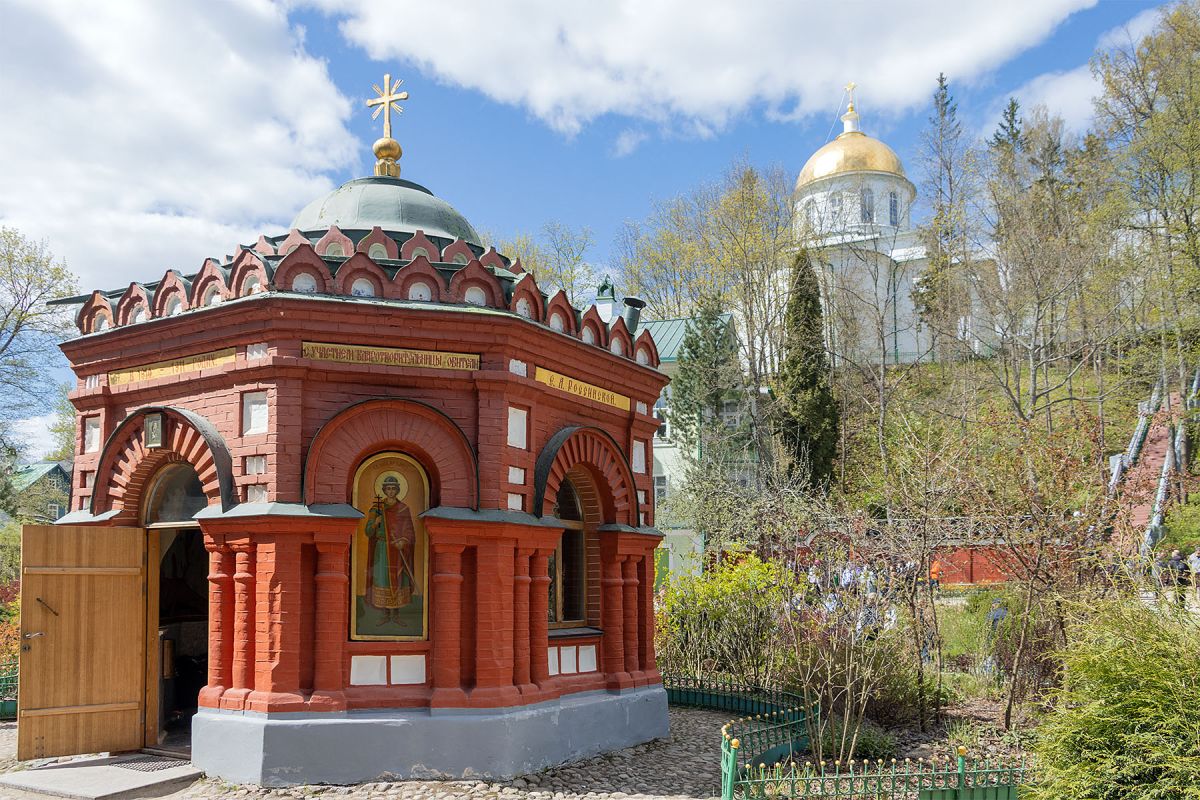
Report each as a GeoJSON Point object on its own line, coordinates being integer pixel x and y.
{"type": "Point", "coordinates": [627, 141]}
{"type": "Point", "coordinates": [1069, 93]}
{"type": "Point", "coordinates": [694, 66]}
{"type": "Point", "coordinates": [33, 434]}
{"type": "Point", "coordinates": [142, 135]}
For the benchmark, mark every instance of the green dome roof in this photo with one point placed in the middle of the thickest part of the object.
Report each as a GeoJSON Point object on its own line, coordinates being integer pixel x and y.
{"type": "Point", "coordinates": [394, 204]}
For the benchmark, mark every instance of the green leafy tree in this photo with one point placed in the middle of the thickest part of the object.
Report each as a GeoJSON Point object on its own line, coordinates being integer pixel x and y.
{"type": "Point", "coordinates": [30, 331]}
{"type": "Point", "coordinates": [62, 426]}
{"type": "Point", "coordinates": [808, 412]}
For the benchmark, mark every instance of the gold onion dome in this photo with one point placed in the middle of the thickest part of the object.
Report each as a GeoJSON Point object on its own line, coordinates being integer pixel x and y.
{"type": "Point", "coordinates": [851, 151]}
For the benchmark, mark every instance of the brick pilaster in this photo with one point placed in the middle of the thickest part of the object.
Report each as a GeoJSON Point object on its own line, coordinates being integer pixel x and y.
{"type": "Point", "coordinates": [446, 633]}
{"type": "Point", "coordinates": [220, 620]}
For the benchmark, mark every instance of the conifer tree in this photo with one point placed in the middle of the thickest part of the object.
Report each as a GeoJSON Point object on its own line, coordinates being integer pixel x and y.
{"type": "Point", "coordinates": [708, 373]}
{"type": "Point", "coordinates": [808, 413]}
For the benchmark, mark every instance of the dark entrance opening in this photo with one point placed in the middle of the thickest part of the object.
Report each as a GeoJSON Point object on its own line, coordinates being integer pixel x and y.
{"type": "Point", "coordinates": [179, 648]}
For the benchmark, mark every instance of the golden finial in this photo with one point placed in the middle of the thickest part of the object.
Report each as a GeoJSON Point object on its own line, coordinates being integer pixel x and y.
{"type": "Point", "coordinates": [850, 118]}
{"type": "Point", "coordinates": [850, 87]}
{"type": "Point", "coordinates": [387, 150]}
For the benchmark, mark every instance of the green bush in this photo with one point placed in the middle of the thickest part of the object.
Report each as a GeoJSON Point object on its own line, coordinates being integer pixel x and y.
{"type": "Point", "coordinates": [1124, 724]}
{"type": "Point", "coordinates": [725, 620]}
{"type": "Point", "coordinates": [873, 742]}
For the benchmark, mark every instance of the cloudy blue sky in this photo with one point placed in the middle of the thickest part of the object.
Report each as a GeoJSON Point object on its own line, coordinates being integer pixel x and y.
{"type": "Point", "coordinates": [141, 136]}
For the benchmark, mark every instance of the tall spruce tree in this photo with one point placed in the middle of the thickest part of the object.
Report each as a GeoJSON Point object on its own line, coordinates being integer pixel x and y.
{"type": "Point", "coordinates": [708, 373]}
{"type": "Point", "coordinates": [808, 421]}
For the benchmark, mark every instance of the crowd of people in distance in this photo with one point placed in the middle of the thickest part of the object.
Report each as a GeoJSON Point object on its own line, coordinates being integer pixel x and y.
{"type": "Point", "coordinates": [1176, 574]}
{"type": "Point", "coordinates": [862, 593]}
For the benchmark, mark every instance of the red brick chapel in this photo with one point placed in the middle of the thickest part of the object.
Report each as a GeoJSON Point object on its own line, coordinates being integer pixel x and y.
{"type": "Point", "coordinates": [394, 500]}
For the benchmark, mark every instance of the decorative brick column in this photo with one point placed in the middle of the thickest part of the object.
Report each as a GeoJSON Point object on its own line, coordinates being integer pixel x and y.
{"type": "Point", "coordinates": [646, 615]}
{"type": "Point", "coordinates": [446, 628]}
{"type": "Point", "coordinates": [539, 625]}
{"type": "Point", "coordinates": [331, 621]}
{"type": "Point", "coordinates": [494, 624]}
{"type": "Point", "coordinates": [612, 616]}
{"type": "Point", "coordinates": [522, 584]}
{"type": "Point", "coordinates": [277, 645]}
{"type": "Point", "coordinates": [630, 608]}
{"type": "Point", "coordinates": [220, 621]}
{"type": "Point", "coordinates": [242, 666]}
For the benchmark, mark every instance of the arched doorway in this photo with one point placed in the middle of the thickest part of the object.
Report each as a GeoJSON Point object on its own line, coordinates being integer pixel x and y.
{"type": "Point", "coordinates": [574, 566]}
{"type": "Point", "coordinates": [177, 605]}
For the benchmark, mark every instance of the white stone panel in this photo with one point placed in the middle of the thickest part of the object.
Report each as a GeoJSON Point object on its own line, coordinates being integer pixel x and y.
{"type": "Point", "coordinates": [516, 475]}
{"type": "Point", "coordinates": [408, 669]}
{"type": "Point", "coordinates": [254, 412]}
{"type": "Point", "coordinates": [566, 660]}
{"type": "Point", "coordinates": [91, 434]}
{"type": "Point", "coordinates": [587, 658]}
{"type": "Point", "coordinates": [518, 367]}
{"type": "Point", "coordinates": [552, 660]}
{"type": "Point", "coordinates": [639, 457]}
{"type": "Point", "coordinates": [518, 422]}
{"type": "Point", "coordinates": [368, 670]}
{"type": "Point", "coordinates": [516, 502]}
{"type": "Point", "coordinates": [257, 350]}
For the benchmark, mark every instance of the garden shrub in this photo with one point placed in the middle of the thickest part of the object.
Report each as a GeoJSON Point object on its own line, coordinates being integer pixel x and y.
{"type": "Point", "coordinates": [725, 621]}
{"type": "Point", "coordinates": [1124, 724]}
{"type": "Point", "coordinates": [873, 742]}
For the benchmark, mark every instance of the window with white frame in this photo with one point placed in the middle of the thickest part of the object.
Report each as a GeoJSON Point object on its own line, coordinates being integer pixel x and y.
{"type": "Point", "coordinates": [660, 489]}
{"type": "Point", "coordinates": [893, 208]}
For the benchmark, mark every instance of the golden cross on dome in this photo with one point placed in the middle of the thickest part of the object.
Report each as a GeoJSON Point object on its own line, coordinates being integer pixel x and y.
{"type": "Point", "coordinates": [387, 101]}
{"type": "Point", "coordinates": [850, 87]}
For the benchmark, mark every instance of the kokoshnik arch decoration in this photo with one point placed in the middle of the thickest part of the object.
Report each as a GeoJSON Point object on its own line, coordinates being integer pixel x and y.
{"type": "Point", "coordinates": [386, 419]}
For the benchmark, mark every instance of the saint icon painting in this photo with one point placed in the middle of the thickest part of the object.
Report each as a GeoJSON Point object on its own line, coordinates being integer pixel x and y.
{"type": "Point", "coordinates": [390, 551]}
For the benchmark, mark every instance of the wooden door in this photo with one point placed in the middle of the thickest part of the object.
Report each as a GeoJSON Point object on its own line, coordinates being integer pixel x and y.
{"type": "Point", "coordinates": [83, 629]}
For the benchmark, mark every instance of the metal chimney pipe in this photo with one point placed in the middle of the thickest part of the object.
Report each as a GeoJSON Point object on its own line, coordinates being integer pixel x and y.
{"type": "Point", "coordinates": [633, 312]}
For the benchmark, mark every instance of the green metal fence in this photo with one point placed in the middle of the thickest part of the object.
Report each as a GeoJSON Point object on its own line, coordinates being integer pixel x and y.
{"type": "Point", "coordinates": [945, 779]}
{"type": "Point", "coordinates": [758, 751]}
{"type": "Point", "coordinates": [8, 690]}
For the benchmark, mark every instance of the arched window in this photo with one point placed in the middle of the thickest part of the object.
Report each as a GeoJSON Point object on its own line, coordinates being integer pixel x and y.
{"type": "Point", "coordinates": [420, 252]}
{"type": "Point", "coordinates": [524, 307]}
{"type": "Point", "coordinates": [588, 335]}
{"type": "Point", "coordinates": [867, 204]}
{"type": "Point", "coordinates": [617, 347]}
{"type": "Point", "coordinates": [475, 296]}
{"type": "Point", "coordinates": [568, 565]}
{"type": "Point", "coordinates": [139, 313]}
{"type": "Point", "coordinates": [212, 296]}
{"type": "Point", "coordinates": [377, 251]}
{"type": "Point", "coordinates": [893, 208]}
{"type": "Point", "coordinates": [835, 207]}
{"type": "Point", "coordinates": [252, 285]}
{"type": "Point", "coordinates": [362, 287]}
{"type": "Point", "coordinates": [810, 214]}
{"type": "Point", "coordinates": [334, 249]}
{"type": "Point", "coordinates": [101, 323]}
{"type": "Point", "coordinates": [419, 290]}
{"type": "Point", "coordinates": [305, 283]}
{"type": "Point", "coordinates": [556, 322]}
{"type": "Point", "coordinates": [175, 496]}
{"type": "Point", "coordinates": [174, 306]}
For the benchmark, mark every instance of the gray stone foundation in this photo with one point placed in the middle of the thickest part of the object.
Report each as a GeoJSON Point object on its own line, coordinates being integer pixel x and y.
{"type": "Point", "coordinates": [358, 746]}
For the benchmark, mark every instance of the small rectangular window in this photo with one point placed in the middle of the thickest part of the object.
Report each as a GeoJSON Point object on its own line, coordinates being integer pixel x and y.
{"type": "Point", "coordinates": [893, 208]}
{"type": "Point", "coordinates": [867, 205]}
{"type": "Point", "coordinates": [518, 421]}
{"type": "Point", "coordinates": [660, 489]}
{"type": "Point", "coordinates": [91, 435]}
{"type": "Point", "coordinates": [254, 413]}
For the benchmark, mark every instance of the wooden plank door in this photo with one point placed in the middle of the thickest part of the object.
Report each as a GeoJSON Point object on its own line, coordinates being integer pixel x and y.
{"type": "Point", "coordinates": [83, 629]}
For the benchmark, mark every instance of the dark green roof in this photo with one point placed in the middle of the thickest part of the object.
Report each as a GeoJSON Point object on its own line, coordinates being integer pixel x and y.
{"type": "Point", "coordinates": [668, 334]}
{"type": "Point", "coordinates": [26, 475]}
